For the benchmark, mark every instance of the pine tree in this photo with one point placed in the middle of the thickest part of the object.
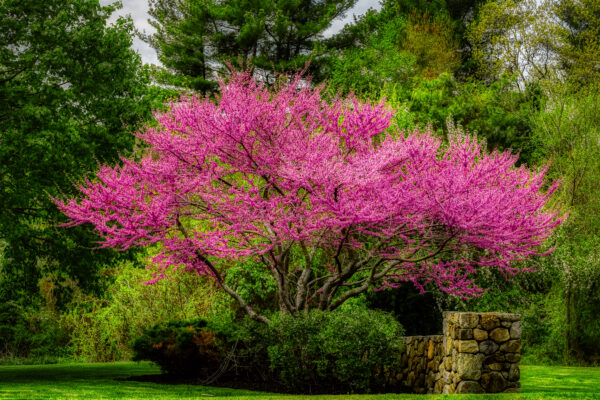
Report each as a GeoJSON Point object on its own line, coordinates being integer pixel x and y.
{"type": "Point", "coordinates": [196, 38]}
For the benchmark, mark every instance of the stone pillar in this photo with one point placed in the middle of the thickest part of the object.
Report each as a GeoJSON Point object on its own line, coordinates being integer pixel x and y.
{"type": "Point", "coordinates": [481, 353]}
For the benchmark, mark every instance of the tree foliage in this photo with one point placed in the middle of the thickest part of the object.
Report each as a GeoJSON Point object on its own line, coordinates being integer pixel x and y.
{"type": "Point", "coordinates": [393, 53]}
{"type": "Point", "coordinates": [195, 38]}
{"type": "Point", "coordinates": [580, 55]}
{"type": "Point", "coordinates": [70, 89]}
{"type": "Point", "coordinates": [264, 175]}
{"type": "Point", "coordinates": [516, 37]}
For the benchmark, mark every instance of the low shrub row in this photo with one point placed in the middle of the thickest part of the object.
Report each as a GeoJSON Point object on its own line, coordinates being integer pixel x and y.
{"type": "Point", "coordinates": [341, 351]}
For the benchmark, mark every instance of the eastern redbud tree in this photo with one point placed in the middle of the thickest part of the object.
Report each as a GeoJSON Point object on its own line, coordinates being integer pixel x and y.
{"type": "Point", "coordinates": [321, 194]}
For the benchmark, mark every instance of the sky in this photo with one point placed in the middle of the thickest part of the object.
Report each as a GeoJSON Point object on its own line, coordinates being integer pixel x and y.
{"type": "Point", "coordinates": [138, 10]}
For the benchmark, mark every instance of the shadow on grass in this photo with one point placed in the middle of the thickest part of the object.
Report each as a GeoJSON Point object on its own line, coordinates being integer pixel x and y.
{"type": "Point", "coordinates": [102, 381]}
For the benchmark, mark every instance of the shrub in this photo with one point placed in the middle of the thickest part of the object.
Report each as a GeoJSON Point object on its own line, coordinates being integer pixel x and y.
{"type": "Point", "coordinates": [13, 331]}
{"type": "Point", "coordinates": [102, 329]}
{"type": "Point", "coordinates": [184, 348]}
{"type": "Point", "coordinates": [30, 336]}
{"type": "Point", "coordinates": [343, 350]}
{"type": "Point", "coordinates": [346, 350]}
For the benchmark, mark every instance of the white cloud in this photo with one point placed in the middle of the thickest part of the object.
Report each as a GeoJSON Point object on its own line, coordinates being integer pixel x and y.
{"type": "Point", "coordinates": [138, 11]}
{"type": "Point", "coordinates": [360, 8]}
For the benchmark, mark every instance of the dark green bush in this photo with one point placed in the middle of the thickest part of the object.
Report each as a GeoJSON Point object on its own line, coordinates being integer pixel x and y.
{"type": "Point", "coordinates": [341, 351]}
{"type": "Point", "coordinates": [182, 348]}
{"type": "Point", "coordinates": [13, 331]}
{"type": "Point", "coordinates": [327, 352]}
{"type": "Point", "coordinates": [30, 336]}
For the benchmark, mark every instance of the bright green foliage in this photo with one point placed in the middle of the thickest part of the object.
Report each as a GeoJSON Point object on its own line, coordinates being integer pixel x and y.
{"type": "Point", "coordinates": [581, 54]}
{"type": "Point", "coordinates": [253, 283]}
{"type": "Point", "coordinates": [409, 59]}
{"type": "Point", "coordinates": [195, 38]}
{"type": "Point", "coordinates": [379, 62]}
{"type": "Point", "coordinates": [534, 39]}
{"type": "Point", "coordinates": [497, 113]}
{"type": "Point", "coordinates": [515, 37]}
{"type": "Point", "coordinates": [102, 328]}
{"type": "Point", "coordinates": [406, 38]}
{"type": "Point", "coordinates": [573, 304]}
{"type": "Point", "coordinates": [568, 131]}
{"type": "Point", "coordinates": [382, 49]}
{"type": "Point", "coordinates": [71, 89]}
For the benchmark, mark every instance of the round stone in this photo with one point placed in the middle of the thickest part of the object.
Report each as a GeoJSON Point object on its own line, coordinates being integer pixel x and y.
{"type": "Point", "coordinates": [488, 347]}
{"type": "Point", "coordinates": [480, 334]}
{"type": "Point", "coordinates": [496, 366]}
{"type": "Point", "coordinates": [467, 346]}
{"type": "Point", "coordinates": [515, 330]}
{"type": "Point", "coordinates": [464, 334]}
{"type": "Point", "coordinates": [469, 387]}
{"type": "Point", "coordinates": [493, 382]}
{"type": "Point", "coordinates": [496, 357]}
{"type": "Point", "coordinates": [512, 346]}
{"type": "Point", "coordinates": [430, 350]}
{"type": "Point", "coordinates": [468, 320]}
{"type": "Point", "coordinates": [514, 373]}
{"type": "Point", "coordinates": [468, 366]}
{"type": "Point", "coordinates": [499, 335]}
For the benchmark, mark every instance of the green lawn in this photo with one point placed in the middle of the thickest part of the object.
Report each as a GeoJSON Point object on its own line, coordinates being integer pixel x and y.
{"type": "Point", "coordinates": [97, 381]}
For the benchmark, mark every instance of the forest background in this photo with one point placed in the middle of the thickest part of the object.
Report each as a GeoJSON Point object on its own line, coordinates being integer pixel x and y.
{"type": "Point", "coordinates": [522, 75]}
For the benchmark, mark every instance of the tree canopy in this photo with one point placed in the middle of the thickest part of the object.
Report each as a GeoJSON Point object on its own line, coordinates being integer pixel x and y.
{"type": "Point", "coordinates": [264, 174]}
{"type": "Point", "coordinates": [70, 90]}
{"type": "Point", "coordinates": [195, 38]}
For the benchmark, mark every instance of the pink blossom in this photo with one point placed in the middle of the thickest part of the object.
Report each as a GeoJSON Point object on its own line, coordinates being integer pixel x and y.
{"type": "Point", "coordinates": [262, 171]}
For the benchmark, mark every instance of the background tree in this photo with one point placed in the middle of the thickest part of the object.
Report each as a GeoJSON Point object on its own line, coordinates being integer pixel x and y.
{"type": "Point", "coordinates": [263, 175]}
{"type": "Point", "coordinates": [417, 55]}
{"type": "Point", "coordinates": [568, 131]}
{"type": "Point", "coordinates": [70, 90]}
{"type": "Point", "coordinates": [368, 60]}
{"type": "Point", "coordinates": [516, 37]}
{"type": "Point", "coordinates": [195, 38]}
{"type": "Point", "coordinates": [580, 54]}
{"type": "Point", "coordinates": [182, 41]}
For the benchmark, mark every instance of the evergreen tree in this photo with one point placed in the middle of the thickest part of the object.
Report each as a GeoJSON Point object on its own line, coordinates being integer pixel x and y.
{"type": "Point", "coordinates": [71, 89]}
{"type": "Point", "coordinates": [195, 38]}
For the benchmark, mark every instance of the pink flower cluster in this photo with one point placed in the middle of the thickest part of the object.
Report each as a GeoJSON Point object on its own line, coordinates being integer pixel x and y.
{"type": "Point", "coordinates": [261, 170]}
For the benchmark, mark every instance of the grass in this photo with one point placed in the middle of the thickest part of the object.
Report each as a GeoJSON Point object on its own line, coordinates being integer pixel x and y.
{"type": "Point", "coordinates": [100, 381]}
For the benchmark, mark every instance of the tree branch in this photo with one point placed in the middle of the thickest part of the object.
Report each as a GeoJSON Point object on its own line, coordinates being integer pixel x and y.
{"type": "Point", "coordinates": [253, 314]}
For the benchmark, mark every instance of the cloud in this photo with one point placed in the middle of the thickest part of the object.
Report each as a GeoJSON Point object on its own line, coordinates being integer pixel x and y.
{"type": "Point", "coordinates": [138, 11]}
{"type": "Point", "coordinates": [360, 8]}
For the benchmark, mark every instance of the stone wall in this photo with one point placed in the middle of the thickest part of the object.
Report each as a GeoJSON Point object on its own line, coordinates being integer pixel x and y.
{"type": "Point", "coordinates": [478, 353]}
{"type": "Point", "coordinates": [421, 362]}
